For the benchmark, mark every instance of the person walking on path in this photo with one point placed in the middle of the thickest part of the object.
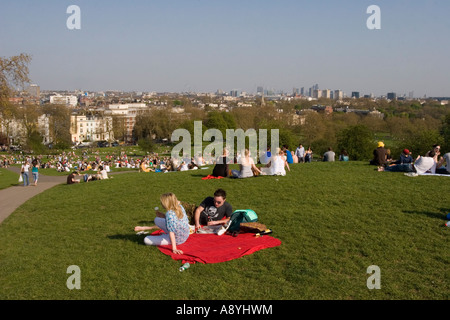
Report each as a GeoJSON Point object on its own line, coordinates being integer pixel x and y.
{"type": "Point", "coordinates": [24, 170]}
{"type": "Point", "coordinates": [35, 171]}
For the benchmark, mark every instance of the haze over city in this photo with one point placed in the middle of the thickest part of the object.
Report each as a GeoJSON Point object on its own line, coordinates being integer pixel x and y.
{"type": "Point", "coordinates": [204, 46]}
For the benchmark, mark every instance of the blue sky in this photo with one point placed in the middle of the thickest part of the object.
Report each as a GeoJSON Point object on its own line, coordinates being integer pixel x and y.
{"type": "Point", "coordinates": [197, 45]}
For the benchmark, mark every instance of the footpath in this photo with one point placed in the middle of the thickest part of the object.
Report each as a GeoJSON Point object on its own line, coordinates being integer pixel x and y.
{"type": "Point", "coordinates": [13, 197]}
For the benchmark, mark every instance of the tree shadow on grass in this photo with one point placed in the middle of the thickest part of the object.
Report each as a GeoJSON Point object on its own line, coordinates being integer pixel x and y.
{"type": "Point", "coordinates": [435, 215]}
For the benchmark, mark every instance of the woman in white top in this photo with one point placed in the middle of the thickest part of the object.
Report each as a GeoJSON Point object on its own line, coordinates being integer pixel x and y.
{"type": "Point", "coordinates": [425, 164]}
{"type": "Point", "coordinates": [277, 165]}
{"type": "Point", "coordinates": [247, 165]}
{"type": "Point", "coordinates": [24, 171]}
{"type": "Point", "coordinates": [102, 173]}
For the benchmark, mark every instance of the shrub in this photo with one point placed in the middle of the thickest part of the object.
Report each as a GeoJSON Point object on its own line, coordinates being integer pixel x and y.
{"type": "Point", "coordinates": [358, 141]}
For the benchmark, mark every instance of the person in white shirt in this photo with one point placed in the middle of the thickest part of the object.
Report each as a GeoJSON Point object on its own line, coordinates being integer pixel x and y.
{"type": "Point", "coordinates": [103, 174]}
{"type": "Point", "coordinates": [300, 153]}
{"type": "Point", "coordinates": [425, 164]}
{"type": "Point", "coordinates": [24, 170]}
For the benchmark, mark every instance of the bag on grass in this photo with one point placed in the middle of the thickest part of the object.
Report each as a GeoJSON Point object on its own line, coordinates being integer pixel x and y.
{"type": "Point", "coordinates": [253, 227]}
{"type": "Point", "coordinates": [241, 216]}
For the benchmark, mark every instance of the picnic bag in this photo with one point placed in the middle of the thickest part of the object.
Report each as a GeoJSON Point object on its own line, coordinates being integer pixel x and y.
{"type": "Point", "coordinates": [242, 216]}
{"type": "Point", "coordinates": [253, 227]}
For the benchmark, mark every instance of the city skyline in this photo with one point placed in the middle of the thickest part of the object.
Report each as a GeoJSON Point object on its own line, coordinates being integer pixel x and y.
{"type": "Point", "coordinates": [205, 46]}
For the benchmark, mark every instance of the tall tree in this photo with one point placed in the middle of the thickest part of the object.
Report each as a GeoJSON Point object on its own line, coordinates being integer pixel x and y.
{"type": "Point", "coordinates": [59, 123]}
{"type": "Point", "coordinates": [13, 72]}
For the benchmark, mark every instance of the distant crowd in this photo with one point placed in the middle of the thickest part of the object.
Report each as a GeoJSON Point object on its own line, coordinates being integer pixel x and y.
{"type": "Point", "coordinates": [266, 163]}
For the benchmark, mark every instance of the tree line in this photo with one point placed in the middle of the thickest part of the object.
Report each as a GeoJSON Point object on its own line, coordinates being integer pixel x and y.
{"type": "Point", "coordinates": [357, 134]}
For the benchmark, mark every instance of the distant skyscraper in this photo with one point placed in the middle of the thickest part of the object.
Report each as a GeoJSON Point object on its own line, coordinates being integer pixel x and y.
{"type": "Point", "coordinates": [326, 93]}
{"type": "Point", "coordinates": [260, 90]}
{"type": "Point", "coordinates": [355, 94]}
{"type": "Point", "coordinates": [317, 94]}
{"type": "Point", "coordinates": [235, 93]}
{"type": "Point", "coordinates": [302, 91]}
{"type": "Point", "coordinates": [338, 94]}
{"type": "Point", "coordinates": [392, 96]}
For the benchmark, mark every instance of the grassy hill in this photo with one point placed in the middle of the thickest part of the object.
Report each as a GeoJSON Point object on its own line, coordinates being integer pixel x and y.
{"type": "Point", "coordinates": [334, 220]}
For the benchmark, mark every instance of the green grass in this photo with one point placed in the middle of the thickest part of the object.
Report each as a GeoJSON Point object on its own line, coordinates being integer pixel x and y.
{"type": "Point", "coordinates": [8, 178]}
{"type": "Point", "coordinates": [334, 220]}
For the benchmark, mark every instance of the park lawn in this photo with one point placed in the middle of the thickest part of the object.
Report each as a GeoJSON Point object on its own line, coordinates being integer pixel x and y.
{"type": "Point", "coordinates": [334, 220]}
{"type": "Point", "coordinates": [8, 178]}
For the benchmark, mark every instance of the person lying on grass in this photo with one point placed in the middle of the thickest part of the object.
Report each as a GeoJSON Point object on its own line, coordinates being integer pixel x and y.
{"type": "Point", "coordinates": [174, 223]}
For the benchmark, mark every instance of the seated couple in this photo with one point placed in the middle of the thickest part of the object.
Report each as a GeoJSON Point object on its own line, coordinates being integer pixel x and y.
{"type": "Point", "coordinates": [175, 223]}
{"type": "Point", "coordinates": [101, 175]}
{"type": "Point", "coordinates": [247, 167]}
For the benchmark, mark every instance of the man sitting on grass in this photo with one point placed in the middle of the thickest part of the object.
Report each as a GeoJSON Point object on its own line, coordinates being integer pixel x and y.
{"type": "Point", "coordinates": [71, 178]}
{"type": "Point", "coordinates": [213, 210]}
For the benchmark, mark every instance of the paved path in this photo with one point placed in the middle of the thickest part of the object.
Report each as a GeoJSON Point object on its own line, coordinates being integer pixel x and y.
{"type": "Point", "coordinates": [13, 197]}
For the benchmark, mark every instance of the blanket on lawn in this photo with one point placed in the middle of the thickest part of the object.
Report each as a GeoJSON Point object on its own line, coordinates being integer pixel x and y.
{"type": "Point", "coordinates": [211, 248]}
{"type": "Point", "coordinates": [208, 177]}
{"type": "Point", "coordinates": [435, 174]}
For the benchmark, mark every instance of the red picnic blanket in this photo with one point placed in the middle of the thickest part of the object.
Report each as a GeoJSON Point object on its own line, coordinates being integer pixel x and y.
{"type": "Point", "coordinates": [211, 248]}
{"type": "Point", "coordinates": [208, 177]}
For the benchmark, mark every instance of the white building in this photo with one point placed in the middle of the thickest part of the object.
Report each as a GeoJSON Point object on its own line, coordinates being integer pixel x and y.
{"type": "Point", "coordinates": [16, 132]}
{"type": "Point", "coordinates": [66, 100]}
{"type": "Point", "coordinates": [91, 128]}
{"type": "Point", "coordinates": [128, 113]}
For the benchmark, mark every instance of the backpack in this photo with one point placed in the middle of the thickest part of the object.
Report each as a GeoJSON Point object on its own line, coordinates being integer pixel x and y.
{"type": "Point", "coordinates": [241, 216]}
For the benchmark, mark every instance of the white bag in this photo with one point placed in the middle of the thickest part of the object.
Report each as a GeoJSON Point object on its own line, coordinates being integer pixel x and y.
{"type": "Point", "coordinates": [20, 178]}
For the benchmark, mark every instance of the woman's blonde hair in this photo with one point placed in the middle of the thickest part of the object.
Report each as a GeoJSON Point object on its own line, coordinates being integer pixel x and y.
{"type": "Point", "coordinates": [170, 202]}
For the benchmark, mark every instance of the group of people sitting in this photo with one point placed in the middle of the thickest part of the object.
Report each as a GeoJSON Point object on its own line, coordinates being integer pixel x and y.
{"type": "Point", "coordinates": [167, 164]}
{"type": "Point", "coordinates": [101, 174]}
{"type": "Point", "coordinates": [276, 165]}
{"type": "Point", "coordinates": [431, 162]}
